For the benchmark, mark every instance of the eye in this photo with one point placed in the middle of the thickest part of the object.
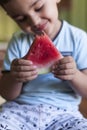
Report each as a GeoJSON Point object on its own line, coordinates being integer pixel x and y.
{"type": "Point", "coordinates": [38, 9]}
{"type": "Point", "coordinates": [21, 19]}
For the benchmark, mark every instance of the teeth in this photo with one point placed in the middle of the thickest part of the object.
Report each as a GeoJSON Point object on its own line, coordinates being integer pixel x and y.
{"type": "Point", "coordinates": [39, 32]}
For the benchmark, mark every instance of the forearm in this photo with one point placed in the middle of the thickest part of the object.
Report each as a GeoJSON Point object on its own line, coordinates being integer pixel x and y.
{"type": "Point", "coordinates": [79, 83]}
{"type": "Point", "coordinates": [9, 88]}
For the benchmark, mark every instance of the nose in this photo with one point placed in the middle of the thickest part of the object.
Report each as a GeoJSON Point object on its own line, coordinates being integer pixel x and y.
{"type": "Point", "coordinates": [34, 19]}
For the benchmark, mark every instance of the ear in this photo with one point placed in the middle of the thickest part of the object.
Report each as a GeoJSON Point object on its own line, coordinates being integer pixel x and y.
{"type": "Point", "coordinates": [58, 1]}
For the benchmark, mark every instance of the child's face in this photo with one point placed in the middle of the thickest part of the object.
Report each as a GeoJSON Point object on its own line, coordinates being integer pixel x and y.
{"type": "Point", "coordinates": [35, 15]}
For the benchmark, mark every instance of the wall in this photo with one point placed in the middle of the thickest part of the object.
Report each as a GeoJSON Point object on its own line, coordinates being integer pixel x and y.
{"type": "Point", "coordinates": [79, 13]}
{"type": "Point", "coordinates": [7, 26]}
{"type": "Point", "coordinates": [75, 12]}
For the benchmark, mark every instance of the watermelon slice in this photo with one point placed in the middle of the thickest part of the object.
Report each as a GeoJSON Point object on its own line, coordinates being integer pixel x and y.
{"type": "Point", "coordinates": [43, 53]}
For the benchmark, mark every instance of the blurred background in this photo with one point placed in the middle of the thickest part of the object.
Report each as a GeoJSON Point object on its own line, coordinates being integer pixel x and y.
{"type": "Point", "coordinates": [74, 11]}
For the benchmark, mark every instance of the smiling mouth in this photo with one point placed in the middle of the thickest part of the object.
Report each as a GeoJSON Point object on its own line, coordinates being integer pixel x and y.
{"type": "Point", "coordinates": [40, 28]}
{"type": "Point", "coordinates": [39, 32]}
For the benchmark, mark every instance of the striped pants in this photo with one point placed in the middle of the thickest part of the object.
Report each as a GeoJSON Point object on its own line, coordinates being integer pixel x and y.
{"type": "Point", "coordinates": [14, 116]}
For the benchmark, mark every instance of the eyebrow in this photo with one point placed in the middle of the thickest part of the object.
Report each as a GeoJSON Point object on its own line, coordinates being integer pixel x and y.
{"type": "Point", "coordinates": [35, 2]}
{"type": "Point", "coordinates": [15, 16]}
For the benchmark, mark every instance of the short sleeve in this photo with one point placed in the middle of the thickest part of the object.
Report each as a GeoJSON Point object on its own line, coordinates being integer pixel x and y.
{"type": "Point", "coordinates": [11, 53]}
{"type": "Point", "coordinates": [17, 48]}
{"type": "Point", "coordinates": [81, 51]}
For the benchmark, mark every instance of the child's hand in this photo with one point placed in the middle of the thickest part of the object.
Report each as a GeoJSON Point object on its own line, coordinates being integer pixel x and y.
{"type": "Point", "coordinates": [65, 68]}
{"type": "Point", "coordinates": [23, 70]}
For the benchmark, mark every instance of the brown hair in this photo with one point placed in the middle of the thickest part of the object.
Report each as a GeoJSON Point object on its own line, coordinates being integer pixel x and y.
{"type": "Point", "coordinates": [2, 2]}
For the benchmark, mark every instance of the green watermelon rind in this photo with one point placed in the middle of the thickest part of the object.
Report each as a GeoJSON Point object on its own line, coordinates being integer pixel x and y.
{"type": "Point", "coordinates": [47, 67]}
{"type": "Point", "coordinates": [43, 70]}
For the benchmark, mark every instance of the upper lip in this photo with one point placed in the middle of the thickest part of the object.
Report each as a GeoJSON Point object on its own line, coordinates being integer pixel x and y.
{"type": "Point", "coordinates": [40, 27]}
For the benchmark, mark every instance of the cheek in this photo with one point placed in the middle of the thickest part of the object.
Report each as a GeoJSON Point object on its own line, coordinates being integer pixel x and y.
{"type": "Point", "coordinates": [24, 27]}
{"type": "Point", "coordinates": [51, 14]}
{"type": "Point", "coordinates": [52, 18]}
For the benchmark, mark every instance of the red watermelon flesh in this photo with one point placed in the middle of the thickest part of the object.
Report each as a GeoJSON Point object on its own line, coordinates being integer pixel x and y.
{"type": "Point", "coordinates": [43, 53]}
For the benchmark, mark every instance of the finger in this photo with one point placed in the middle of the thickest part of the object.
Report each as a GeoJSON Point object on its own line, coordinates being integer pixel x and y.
{"type": "Point", "coordinates": [64, 77]}
{"type": "Point", "coordinates": [22, 62]}
{"type": "Point", "coordinates": [66, 60]}
{"type": "Point", "coordinates": [23, 68]}
{"type": "Point", "coordinates": [66, 66]}
{"type": "Point", "coordinates": [25, 74]}
{"type": "Point", "coordinates": [65, 72]}
{"type": "Point", "coordinates": [26, 78]}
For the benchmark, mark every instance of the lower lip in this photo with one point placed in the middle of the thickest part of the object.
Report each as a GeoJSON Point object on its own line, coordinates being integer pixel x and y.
{"type": "Point", "coordinates": [43, 27]}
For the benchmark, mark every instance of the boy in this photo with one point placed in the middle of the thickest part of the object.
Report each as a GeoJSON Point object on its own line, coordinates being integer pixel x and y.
{"type": "Point", "coordinates": [49, 101]}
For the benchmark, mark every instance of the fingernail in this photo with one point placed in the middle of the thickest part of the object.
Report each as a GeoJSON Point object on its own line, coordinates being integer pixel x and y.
{"type": "Point", "coordinates": [35, 66]}
{"type": "Point", "coordinates": [31, 62]}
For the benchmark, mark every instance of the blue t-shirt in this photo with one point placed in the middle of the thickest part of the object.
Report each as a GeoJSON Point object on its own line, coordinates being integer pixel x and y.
{"type": "Point", "coordinates": [46, 89]}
